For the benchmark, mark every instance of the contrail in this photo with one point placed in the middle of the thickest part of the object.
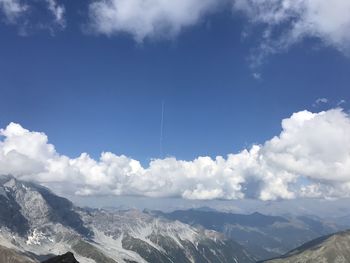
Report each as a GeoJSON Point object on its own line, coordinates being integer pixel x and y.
{"type": "Point", "coordinates": [161, 131]}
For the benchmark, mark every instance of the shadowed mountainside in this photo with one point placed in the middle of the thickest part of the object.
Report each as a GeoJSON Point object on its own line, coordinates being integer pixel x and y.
{"type": "Point", "coordinates": [65, 258]}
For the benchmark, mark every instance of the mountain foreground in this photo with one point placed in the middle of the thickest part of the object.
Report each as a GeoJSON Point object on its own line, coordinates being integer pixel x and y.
{"type": "Point", "coordinates": [329, 249]}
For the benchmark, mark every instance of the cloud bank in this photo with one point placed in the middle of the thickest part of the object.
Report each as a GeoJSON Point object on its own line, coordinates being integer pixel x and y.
{"type": "Point", "coordinates": [309, 158]}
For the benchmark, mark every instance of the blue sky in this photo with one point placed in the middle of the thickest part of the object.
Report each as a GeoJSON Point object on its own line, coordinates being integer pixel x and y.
{"type": "Point", "coordinates": [97, 93]}
{"type": "Point", "coordinates": [92, 76]}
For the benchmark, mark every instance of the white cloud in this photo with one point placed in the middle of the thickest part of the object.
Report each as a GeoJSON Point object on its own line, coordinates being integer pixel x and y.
{"type": "Point", "coordinates": [19, 12]}
{"type": "Point", "coordinates": [290, 21]}
{"type": "Point", "coordinates": [148, 18]}
{"type": "Point", "coordinates": [309, 158]}
{"type": "Point", "coordinates": [313, 148]}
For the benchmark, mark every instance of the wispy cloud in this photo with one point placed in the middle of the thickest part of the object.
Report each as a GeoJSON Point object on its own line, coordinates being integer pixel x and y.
{"type": "Point", "coordinates": [320, 101]}
{"type": "Point", "coordinates": [309, 158]}
{"type": "Point", "coordinates": [20, 12]}
{"type": "Point", "coordinates": [57, 11]}
{"type": "Point", "coordinates": [256, 75]}
{"type": "Point", "coordinates": [287, 22]}
{"type": "Point", "coordinates": [12, 9]}
{"type": "Point", "coordinates": [341, 102]}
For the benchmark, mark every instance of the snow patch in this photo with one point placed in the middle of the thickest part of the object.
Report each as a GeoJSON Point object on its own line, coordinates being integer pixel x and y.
{"type": "Point", "coordinates": [11, 183]}
{"type": "Point", "coordinates": [35, 238]}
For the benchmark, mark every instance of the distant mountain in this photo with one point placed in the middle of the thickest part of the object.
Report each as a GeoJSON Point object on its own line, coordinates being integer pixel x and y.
{"type": "Point", "coordinates": [36, 222]}
{"type": "Point", "coordinates": [263, 236]}
{"type": "Point", "coordinates": [329, 249]}
{"type": "Point", "coordinates": [343, 220]}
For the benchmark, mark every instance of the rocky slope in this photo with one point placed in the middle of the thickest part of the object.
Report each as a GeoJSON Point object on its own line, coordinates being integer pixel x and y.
{"type": "Point", "coordinates": [8, 255]}
{"type": "Point", "coordinates": [33, 219]}
{"type": "Point", "coordinates": [329, 249]}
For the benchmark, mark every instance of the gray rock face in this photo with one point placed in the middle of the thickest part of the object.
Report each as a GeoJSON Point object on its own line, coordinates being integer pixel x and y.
{"type": "Point", "coordinates": [37, 221]}
{"type": "Point", "coordinates": [26, 206]}
{"type": "Point", "coordinates": [330, 249]}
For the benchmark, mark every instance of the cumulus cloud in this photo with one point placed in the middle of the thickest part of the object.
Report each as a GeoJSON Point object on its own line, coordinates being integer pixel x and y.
{"type": "Point", "coordinates": [20, 12]}
{"type": "Point", "coordinates": [148, 18]}
{"type": "Point", "coordinates": [309, 158]}
{"type": "Point", "coordinates": [286, 21]}
{"type": "Point", "coordinates": [290, 21]}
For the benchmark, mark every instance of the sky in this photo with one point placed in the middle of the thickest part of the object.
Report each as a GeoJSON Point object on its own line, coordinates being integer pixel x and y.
{"type": "Point", "coordinates": [264, 85]}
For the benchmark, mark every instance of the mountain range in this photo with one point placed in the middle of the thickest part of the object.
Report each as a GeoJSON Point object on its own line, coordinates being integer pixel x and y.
{"type": "Point", "coordinates": [263, 236]}
{"type": "Point", "coordinates": [37, 225]}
